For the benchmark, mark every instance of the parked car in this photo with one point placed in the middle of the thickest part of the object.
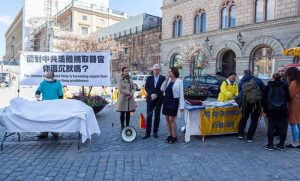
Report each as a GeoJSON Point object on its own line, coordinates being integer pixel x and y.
{"type": "Point", "coordinates": [297, 65]}
{"type": "Point", "coordinates": [5, 80]}
{"type": "Point", "coordinates": [139, 81]}
{"type": "Point", "coordinates": [212, 82]}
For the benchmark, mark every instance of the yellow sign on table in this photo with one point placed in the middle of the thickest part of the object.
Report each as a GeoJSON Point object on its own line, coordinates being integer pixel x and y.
{"type": "Point", "coordinates": [216, 121]}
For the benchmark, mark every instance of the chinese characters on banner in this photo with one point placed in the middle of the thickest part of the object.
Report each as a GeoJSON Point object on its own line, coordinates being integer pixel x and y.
{"type": "Point", "coordinates": [73, 69]}
{"type": "Point", "coordinates": [216, 121]}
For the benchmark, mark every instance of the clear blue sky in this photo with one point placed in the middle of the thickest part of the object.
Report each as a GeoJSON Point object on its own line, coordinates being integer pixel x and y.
{"type": "Point", "coordinates": [10, 8]}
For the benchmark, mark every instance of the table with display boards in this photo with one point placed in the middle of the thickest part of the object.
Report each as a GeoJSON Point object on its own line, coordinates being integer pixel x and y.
{"type": "Point", "coordinates": [213, 118]}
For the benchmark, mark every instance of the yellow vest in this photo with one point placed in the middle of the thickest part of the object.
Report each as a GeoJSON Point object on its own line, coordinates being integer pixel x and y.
{"type": "Point", "coordinates": [228, 91]}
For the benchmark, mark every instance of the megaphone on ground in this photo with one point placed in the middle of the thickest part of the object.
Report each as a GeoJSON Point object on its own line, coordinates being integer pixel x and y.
{"type": "Point", "coordinates": [128, 134]}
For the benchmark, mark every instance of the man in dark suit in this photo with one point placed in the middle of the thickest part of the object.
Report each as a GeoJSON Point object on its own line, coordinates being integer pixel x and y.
{"type": "Point", "coordinates": [154, 100]}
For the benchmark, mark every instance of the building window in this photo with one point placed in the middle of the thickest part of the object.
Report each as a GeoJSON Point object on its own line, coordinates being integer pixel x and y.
{"type": "Point", "coordinates": [126, 50]}
{"type": "Point", "coordinates": [102, 22]}
{"type": "Point", "coordinates": [200, 21]}
{"type": "Point", "coordinates": [264, 10]}
{"type": "Point", "coordinates": [177, 27]}
{"type": "Point", "coordinates": [84, 30]}
{"type": "Point", "coordinates": [263, 59]}
{"type": "Point", "coordinates": [228, 15]}
{"type": "Point", "coordinates": [84, 18]}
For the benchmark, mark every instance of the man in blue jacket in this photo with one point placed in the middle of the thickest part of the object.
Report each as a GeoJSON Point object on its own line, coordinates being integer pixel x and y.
{"type": "Point", "coordinates": [250, 107]}
{"type": "Point", "coordinates": [50, 89]}
{"type": "Point", "coordinates": [154, 100]}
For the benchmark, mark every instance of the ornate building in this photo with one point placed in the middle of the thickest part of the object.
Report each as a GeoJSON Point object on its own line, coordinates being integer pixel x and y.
{"type": "Point", "coordinates": [238, 34]}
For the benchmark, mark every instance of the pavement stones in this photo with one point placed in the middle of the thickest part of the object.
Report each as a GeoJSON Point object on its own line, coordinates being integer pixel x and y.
{"type": "Point", "coordinates": [107, 157]}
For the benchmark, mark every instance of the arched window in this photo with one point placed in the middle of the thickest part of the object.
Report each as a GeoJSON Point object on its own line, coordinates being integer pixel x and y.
{"type": "Point", "coordinates": [228, 15]}
{"type": "Point", "coordinates": [200, 21]}
{"type": "Point", "coordinates": [177, 26]}
{"type": "Point", "coordinates": [263, 59]}
{"type": "Point", "coordinates": [264, 10]}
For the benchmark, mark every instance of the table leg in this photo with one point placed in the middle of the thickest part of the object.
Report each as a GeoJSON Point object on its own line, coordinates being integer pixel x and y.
{"type": "Point", "coordinates": [203, 138]}
{"type": "Point", "coordinates": [79, 140]}
{"type": "Point", "coordinates": [3, 140]}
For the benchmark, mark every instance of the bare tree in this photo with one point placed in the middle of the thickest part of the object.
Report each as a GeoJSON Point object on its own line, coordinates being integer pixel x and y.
{"type": "Point", "coordinates": [196, 55]}
{"type": "Point", "coordinates": [89, 44]}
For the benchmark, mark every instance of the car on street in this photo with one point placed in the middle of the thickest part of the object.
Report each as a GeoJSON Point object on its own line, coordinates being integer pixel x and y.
{"type": "Point", "coordinates": [139, 81]}
{"type": "Point", "coordinates": [212, 82]}
{"type": "Point", "coordinates": [5, 80]}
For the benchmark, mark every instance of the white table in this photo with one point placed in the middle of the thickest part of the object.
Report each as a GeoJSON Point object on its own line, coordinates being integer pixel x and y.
{"type": "Point", "coordinates": [193, 121]}
{"type": "Point", "coordinates": [64, 116]}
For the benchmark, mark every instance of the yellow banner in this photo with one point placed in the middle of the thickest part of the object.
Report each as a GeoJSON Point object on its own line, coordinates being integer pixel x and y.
{"type": "Point", "coordinates": [216, 121]}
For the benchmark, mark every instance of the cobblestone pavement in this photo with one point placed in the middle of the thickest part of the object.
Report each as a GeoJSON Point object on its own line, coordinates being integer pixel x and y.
{"type": "Point", "coordinates": [107, 157]}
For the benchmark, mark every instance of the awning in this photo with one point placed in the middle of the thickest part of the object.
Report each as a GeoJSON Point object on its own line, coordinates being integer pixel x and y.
{"type": "Point", "coordinates": [292, 52]}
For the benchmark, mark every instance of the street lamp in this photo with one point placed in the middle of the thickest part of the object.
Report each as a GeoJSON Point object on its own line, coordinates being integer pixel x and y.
{"type": "Point", "coordinates": [207, 44]}
{"type": "Point", "coordinates": [240, 39]}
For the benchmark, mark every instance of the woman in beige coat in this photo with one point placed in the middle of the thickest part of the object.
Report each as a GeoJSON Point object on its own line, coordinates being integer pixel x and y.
{"type": "Point", "coordinates": [126, 103]}
{"type": "Point", "coordinates": [293, 77]}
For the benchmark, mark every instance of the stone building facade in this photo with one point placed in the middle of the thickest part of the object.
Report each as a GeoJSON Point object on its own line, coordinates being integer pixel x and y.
{"type": "Point", "coordinates": [140, 35]}
{"type": "Point", "coordinates": [238, 34]}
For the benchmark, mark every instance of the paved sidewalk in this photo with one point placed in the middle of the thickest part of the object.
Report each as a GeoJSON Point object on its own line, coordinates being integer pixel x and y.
{"type": "Point", "coordinates": [107, 157]}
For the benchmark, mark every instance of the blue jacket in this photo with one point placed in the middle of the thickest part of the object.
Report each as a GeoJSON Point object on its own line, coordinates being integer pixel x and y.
{"type": "Point", "coordinates": [50, 90]}
{"type": "Point", "coordinates": [247, 78]}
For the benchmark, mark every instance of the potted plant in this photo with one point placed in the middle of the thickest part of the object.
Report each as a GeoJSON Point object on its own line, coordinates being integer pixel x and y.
{"type": "Point", "coordinates": [96, 102]}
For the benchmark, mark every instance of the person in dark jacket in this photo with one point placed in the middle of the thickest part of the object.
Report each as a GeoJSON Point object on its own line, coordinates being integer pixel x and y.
{"type": "Point", "coordinates": [277, 116]}
{"type": "Point", "coordinates": [247, 109]}
{"type": "Point", "coordinates": [281, 72]}
{"type": "Point", "coordinates": [154, 100]}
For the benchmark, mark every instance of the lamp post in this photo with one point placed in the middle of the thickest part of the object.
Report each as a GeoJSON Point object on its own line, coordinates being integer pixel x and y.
{"type": "Point", "coordinates": [240, 39]}
{"type": "Point", "coordinates": [207, 44]}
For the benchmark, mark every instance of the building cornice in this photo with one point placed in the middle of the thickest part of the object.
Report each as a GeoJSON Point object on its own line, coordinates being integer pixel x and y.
{"type": "Point", "coordinates": [251, 27]}
{"type": "Point", "coordinates": [20, 14]}
{"type": "Point", "coordinates": [174, 4]}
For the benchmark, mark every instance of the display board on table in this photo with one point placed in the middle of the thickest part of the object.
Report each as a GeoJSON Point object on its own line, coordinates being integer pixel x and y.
{"type": "Point", "coordinates": [71, 68]}
{"type": "Point", "coordinates": [222, 120]}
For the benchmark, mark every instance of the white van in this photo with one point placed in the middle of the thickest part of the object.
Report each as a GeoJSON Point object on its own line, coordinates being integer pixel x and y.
{"type": "Point", "coordinates": [139, 81]}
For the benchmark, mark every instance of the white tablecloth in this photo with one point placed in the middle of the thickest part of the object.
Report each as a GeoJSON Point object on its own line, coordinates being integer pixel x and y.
{"type": "Point", "coordinates": [191, 117]}
{"type": "Point", "coordinates": [49, 116]}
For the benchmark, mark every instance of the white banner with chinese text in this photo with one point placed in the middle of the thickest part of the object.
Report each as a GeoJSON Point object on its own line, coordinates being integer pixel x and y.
{"type": "Point", "coordinates": [71, 68]}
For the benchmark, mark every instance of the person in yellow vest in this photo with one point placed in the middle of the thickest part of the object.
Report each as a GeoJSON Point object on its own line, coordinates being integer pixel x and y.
{"type": "Point", "coordinates": [67, 93]}
{"type": "Point", "coordinates": [115, 95]}
{"type": "Point", "coordinates": [229, 89]}
{"type": "Point", "coordinates": [143, 92]}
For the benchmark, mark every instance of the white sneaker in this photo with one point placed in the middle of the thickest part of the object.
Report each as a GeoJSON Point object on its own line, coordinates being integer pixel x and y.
{"type": "Point", "coordinates": [250, 141]}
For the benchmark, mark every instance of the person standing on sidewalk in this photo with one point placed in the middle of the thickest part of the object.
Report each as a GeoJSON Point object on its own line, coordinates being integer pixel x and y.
{"type": "Point", "coordinates": [50, 89]}
{"type": "Point", "coordinates": [276, 98]}
{"type": "Point", "coordinates": [154, 100]}
{"type": "Point", "coordinates": [251, 96]}
{"type": "Point", "coordinates": [173, 102]}
{"type": "Point", "coordinates": [293, 77]}
{"type": "Point", "coordinates": [125, 103]}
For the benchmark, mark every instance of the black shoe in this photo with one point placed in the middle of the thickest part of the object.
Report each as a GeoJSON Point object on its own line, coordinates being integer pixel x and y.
{"type": "Point", "coordinates": [279, 147]}
{"type": "Point", "coordinates": [146, 136]}
{"type": "Point", "coordinates": [155, 135]}
{"type": "Point", "coordinates": [55, 136]}
{"type": "Point", "coordinates": [168, 139]}
{"type": "Point", "coordinates": [42, 136]}
{"type": "Point", "coordinates": [173, 140]}
{"type": "Point", "coordinates": [269, 147]}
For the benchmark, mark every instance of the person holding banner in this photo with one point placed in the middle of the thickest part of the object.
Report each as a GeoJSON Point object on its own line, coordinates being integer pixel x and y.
{"type": "Point", "coordinates": [50, 89]}
{"type": "Point", "coordinates": [126, 102]}
{"type": "Point", "coordinates": [173, 102]}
